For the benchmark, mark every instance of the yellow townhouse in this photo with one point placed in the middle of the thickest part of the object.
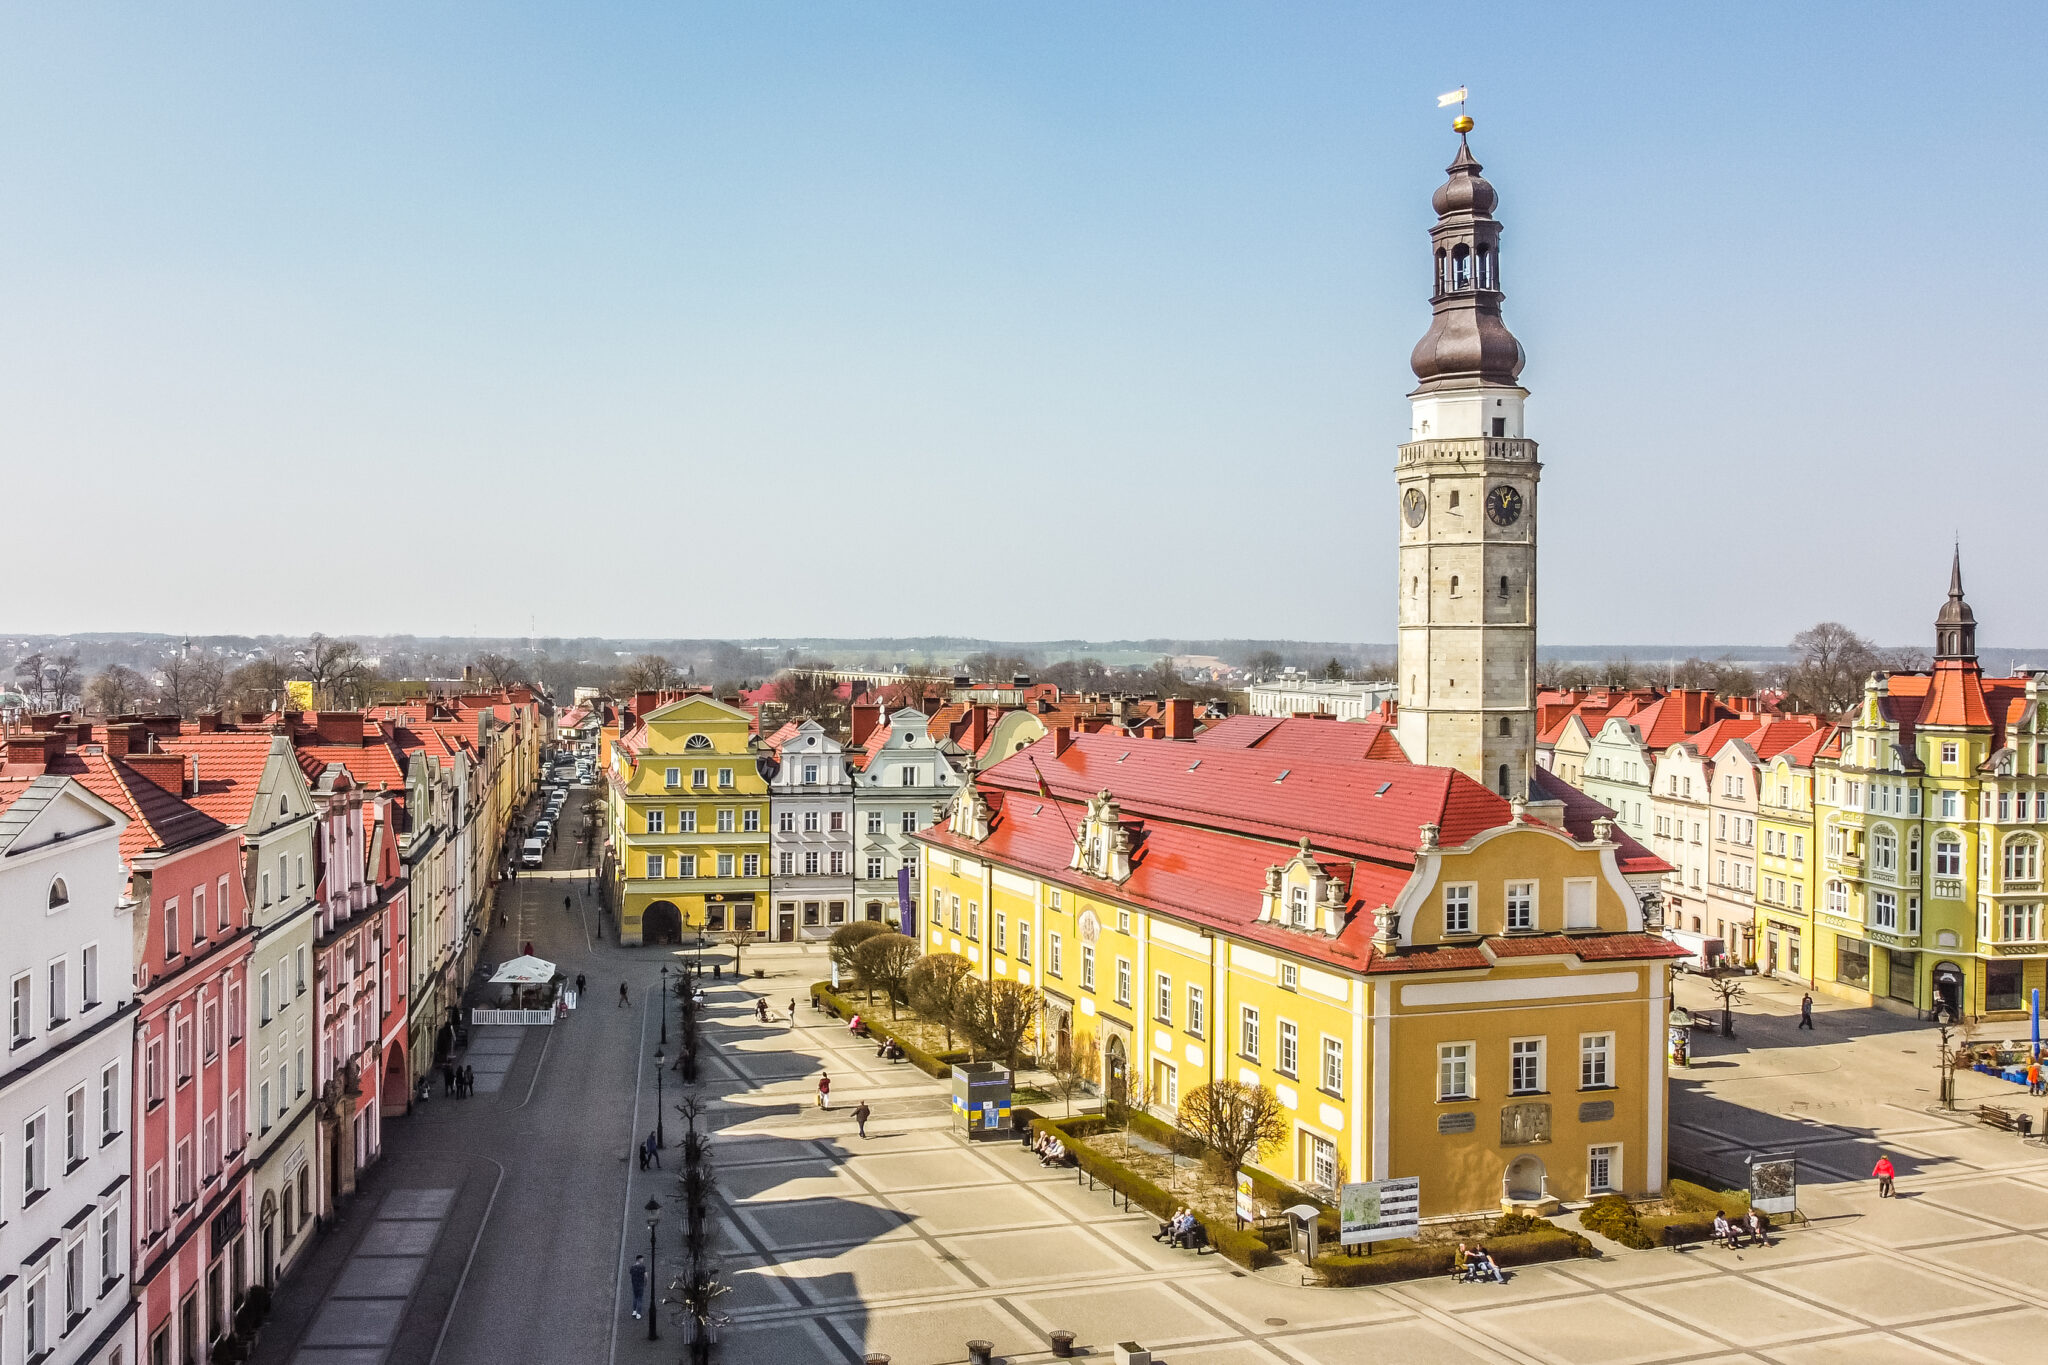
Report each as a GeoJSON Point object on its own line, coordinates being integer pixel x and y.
{"type": "Point", "coordinates": [687, 815]}
{"type": "Point", "coordinates": [1434, 981]}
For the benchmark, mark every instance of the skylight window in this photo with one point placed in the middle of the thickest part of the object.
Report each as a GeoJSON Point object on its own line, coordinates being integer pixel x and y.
{"type": "Point", "coordinates": [1124, 755]}
{"type": "Point", "coordinates": [1194, 765]}
{"type": "Point", "coordinates": [1383, 789]}
{"type": "Point", "coordinates": [1283, 776]}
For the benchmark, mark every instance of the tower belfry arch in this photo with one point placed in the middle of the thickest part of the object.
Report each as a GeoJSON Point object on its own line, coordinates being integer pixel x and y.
{"type": "Point", "coordinates": [1466, 483]}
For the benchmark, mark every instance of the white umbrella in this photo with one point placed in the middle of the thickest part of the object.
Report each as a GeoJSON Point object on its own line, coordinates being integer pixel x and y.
{"type": "Point", "coordinates": [525, 971]}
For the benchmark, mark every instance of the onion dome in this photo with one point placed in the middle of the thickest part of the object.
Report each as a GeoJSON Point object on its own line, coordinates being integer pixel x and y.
{"type": "Point", "coordinates": [1467, 342]}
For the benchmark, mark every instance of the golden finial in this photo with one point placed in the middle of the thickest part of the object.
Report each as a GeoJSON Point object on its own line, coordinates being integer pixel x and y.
{"type": "Point", "coordinates": [1462, 123]}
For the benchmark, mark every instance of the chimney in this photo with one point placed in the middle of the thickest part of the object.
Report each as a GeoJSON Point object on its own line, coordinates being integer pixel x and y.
{"type": "Point", "coordinates": [1020, 680]}
{"type": "Point", "coordinates": [339, 727]}
{"type": "Point", "coordinates": [928, 704]}
{"type": "Point", "coordinates": [123, 740]}
{"type": "Point", "coordinates": [1180, 718]}
{"type": "Point", "coordinates": [209, 722]}
{"type": "Point", "coordinates": [166, 770]}
{"type": "Point", "coordinates": [28, 755]}
{"type": "Point", "coordinates": [252, 718]}
{"type": "Point", "coordinates": [1062, 740]}
{"type": "Point", "coordinates": [643, 702]}
{"type": "Point", "coordinates": [163, 727]}
{"type": "Point", "coordinates": [865, 717]}
{"type": "Point", "coordinates": [977, 728]}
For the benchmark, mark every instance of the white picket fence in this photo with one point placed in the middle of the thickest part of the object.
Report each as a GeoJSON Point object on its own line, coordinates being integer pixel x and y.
{"type": "Point", "coordinates": [483, 1016]}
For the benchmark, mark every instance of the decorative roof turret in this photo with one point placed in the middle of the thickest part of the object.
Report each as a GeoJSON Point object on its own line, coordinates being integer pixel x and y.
{"type": "Point", "coordinates": [1467, 343]}
{"type": "Point", "coordinates": [1955, 628]}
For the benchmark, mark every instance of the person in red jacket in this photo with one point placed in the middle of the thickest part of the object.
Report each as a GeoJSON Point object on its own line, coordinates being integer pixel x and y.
{"type": "Point", "coordinates": [1884, 1173]}
{"type": "Point", "coordinates": [824, 1092]}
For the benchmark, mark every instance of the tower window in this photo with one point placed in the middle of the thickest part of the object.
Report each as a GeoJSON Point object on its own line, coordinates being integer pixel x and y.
{"type": "Point", "coordinates": [1485, 268]}
{"type": "Point", "coordinates": [1503, 779]}
{"type": "Point", "coordinates": [1500, 426]}
{"type": "Point", "coordinates": [1461, 268]}
{"type": "Point", "coordinates": [1415, 587]}
{"type": "Point", "coordinates": [1507, 727]}
{"type": "Point", "coordinates": [1454, 585]}
{"type": "Point", "coordinates": [1439, 270]}
{"type": "Point", "coordinates": [1503, 587]}
{"type": "Point", "coordinates": [1454, 500]}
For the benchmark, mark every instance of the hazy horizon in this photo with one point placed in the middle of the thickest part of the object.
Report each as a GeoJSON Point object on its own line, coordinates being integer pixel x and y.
{"type": "Point", "coordinates": [628, 317]}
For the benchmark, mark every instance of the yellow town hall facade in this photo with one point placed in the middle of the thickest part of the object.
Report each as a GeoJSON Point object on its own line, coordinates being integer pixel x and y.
{"type": "Point", "coordinates": [1441, 971]}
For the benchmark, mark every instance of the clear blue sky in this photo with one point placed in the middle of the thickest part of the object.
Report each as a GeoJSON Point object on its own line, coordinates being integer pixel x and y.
{"type": "Point", "coordinates": [1020, 321]}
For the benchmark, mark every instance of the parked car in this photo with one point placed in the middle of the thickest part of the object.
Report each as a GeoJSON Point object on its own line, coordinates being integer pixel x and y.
{"type": "Point", "coordinates": [1703, 951]}
{"type": "Point", "coordinates": [544, 828]}
{"type": "Point", "coordinates": [530, 853]}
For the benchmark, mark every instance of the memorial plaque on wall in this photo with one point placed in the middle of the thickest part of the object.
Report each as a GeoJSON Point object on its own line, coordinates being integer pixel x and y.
{"type": "Point", "coordinates": [1596, 1111]}
{"type": "Point", "coordinates": [1523, 1124]}
{"type": "Point", "coordinates": [1457, 1123]}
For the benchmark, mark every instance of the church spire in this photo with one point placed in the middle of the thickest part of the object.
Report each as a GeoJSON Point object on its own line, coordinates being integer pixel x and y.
{"type": "Point", "coordinates": [1467, 343]}
{"type": "Point", "coordinates": [1955, 628]}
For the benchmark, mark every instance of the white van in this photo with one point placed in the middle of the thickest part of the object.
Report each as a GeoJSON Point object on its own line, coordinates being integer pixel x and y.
{"type": "Point", "coordinates": [530, 854]}
{"type": "Point", "coordinates": [1704, 951]}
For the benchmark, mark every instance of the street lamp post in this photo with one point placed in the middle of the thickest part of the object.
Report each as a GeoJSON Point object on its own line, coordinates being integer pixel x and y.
{"type": "Point", "coordinates": [660, 1109]}
{"type": "Point", "coordinates": [664, 1003]}
{"type": "Point", "coordinates": [653, 1256]}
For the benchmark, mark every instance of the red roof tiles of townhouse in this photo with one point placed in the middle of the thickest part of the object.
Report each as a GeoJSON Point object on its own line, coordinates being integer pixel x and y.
{"type": "Point", "coordinates": [1955, 696]}
{"type": "Point", "coordinates": [1365, 807]}
{"type": "Point", "coordinates": [1802, 753]}
{"type": "Point", "coordinates": [781, 737]}
{"type": "Point", "coordinates": [1581, 810]}
{"type": "Point", "coordinates": [156, 818]}
{"type": "Point", "coordinates": [230, 767]}
{"type": "Point", "coordinates": [1300, 737]}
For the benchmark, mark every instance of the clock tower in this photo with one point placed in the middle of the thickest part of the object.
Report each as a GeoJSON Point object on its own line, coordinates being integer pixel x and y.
{"type": "Point", "coordinates": [1467, 497]}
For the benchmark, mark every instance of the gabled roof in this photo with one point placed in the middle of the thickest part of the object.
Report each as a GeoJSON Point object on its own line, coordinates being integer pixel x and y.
{"type": "Point", "coordinates": [21, 803]}
{"type": "Point", "coordinates": [157, 820]}
{"type": "Point", "coordinates": [1306, 737]}
{"type": "Point", "coordinates": [1581, 810]}
{"type": "Point", "coordinates": [231, 766]}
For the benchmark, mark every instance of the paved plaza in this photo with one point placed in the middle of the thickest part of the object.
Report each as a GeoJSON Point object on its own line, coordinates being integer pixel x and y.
{"type": "Point", "coordinates": [498, 1228]}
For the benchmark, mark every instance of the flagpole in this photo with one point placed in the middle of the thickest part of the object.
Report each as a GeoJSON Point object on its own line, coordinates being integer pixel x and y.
{"type": "Point", "coordinates": [1045, 790]}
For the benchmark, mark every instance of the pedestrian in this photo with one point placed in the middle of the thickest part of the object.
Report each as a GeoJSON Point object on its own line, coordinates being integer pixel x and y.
{"type": "Point", "coordinates": [1806, 1010]}
{"type": "Point", "coordinates": [643, 1156]}
{"type": "Point", "coordinates": [824, 1091]}
{"type": "Point", "coordinates": [503, 919]}
{"type": "Point", "coordinates": [792, 1011]}
{"type": "Point", "coordinates": [469, 1080]}
{"type": "Point", "coordinates": [653, 1149]}
{"type": "Point", "coordinates": [860, 1117]}
{"type": "Point", "coordinates": [638, 1274]}
{"type": "Point", "coordinates": [1884, 1173]}
{"type": "Point", "coordinates": [527, 947]}
{"type": "Point", "coordinates": [447, 1078]}
{"type": "Point", "coordinates": [565, 906]}
{"type": "Point", "coordinates": [579, 985]}
{"type": "Point", "coordinates": [2034, 1076]}
{"type": "Point", "coordinates": [622, 995]}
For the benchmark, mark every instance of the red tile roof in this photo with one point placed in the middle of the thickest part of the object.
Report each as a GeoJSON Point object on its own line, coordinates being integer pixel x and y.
{"type": "Point", "coordinates": [1581, 810]}
{"type": "Point", "coordinates": [1306, 737]}
{"type": "Point", "coordinates": [157, 820]}
{"type": "Point", "coordinates": [230, 765]}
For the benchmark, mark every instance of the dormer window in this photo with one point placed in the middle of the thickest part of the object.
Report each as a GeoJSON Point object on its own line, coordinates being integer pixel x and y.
{"type": "Point", "coordinates": [697, 742]}
{"type": "Point", "coordinates": [1297, 907]}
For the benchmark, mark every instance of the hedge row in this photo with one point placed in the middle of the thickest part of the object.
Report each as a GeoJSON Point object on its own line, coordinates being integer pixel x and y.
{"type": "Point", "coordinates": [938, 1065]}
{"type": "Point", "coordinates": [1271, 1192]}
{"type": "Point", "coordinates": [1409, 1260]}
{"type": "Point", "coordinates": [1613, 1216]}
{"type": "Point", "coordinates": [1242, 1246]}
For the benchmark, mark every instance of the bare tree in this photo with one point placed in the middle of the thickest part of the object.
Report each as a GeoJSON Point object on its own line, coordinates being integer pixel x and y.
{"type": "Point", "coordinates": [1236, 1121]}
{"type": "Point", "coordinates": [885, 961]}
{"type": "Point", "coordinates": [997, 1016]}
{"type": "Point", "coordinates": [340, 674]}
{"type": "Point", "coordinates": [1831, 664]}
{"type": "Point", "coordinates": [28, 678]}
{"type": "Point", "coordinates": [1076, 1061]}
{"type": "Point", "coordinates": [63, 680]}
{"type": "Point", "coordinates": [650, 673]}
{"type": "Point", "coordinates": [193, 683]}
{"type": "Point", "coordinates": [806, 693]}
{"type": "Point", "coordinates": [1134, 1096]}
{"type": "Point", "coordinates": [256, 686]}
{"type": "Point", "coordinates": [845, 939]}
{"type": "Point", "coordinates": [1729, 988]}
{"type": "Point", "coordinates": [934, 988]}
{"type": "Point", "coordinates": [498, 672]}
{"type": "Point", "coordinates": [115, 689]}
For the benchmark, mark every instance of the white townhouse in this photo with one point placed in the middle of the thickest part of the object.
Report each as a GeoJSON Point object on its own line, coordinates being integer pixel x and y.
{"type": "Point", "coordinates": [68, 954]}
{"type": "Point", "coordinates": [906, 780]}
{"type": "Point", "coordinates": [810, 813]}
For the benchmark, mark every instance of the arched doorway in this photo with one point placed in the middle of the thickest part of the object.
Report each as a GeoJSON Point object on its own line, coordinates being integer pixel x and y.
{"type": "Point", "coordinates": [397, 1085]}
{"type": "Point", "coordinates": [1115, 1069]}
{"type": "Point", "coordinates": [1525, 1181]}
{"type": "Point", "coordinates": [1948, 991]}
{"type": "Point", "coordinates": [661, 922]}
{"type": "Point", "coordinates": [268, 1222]}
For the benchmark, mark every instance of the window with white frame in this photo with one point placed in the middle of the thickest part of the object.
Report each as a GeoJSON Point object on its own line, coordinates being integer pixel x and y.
{"type": "Point", "coordinates": [1596, 1061]}
{"type": "Point", "coordinates": [1123, 981]}
{"type": "Point", "coordinates": [657, 821]}
{"type": "Point", "coordinates": [35, 1156]}
{"type": "Point", "coordinates": [1087, 968]}
{"type": "Point", "coordinates": [1195, 1002]}
{"type": "Point", "coordinates": [110, 1101]}
{"type": "Point", "coordinates": [1948, 751]}
{"type": "Point", "coordinates": [686, 820]}
{"type": "Point", "coordinates": [656, 866]}
{"type": "Point", "coordinates": [874, 822]}
{"type": "Point", "coordinates": [1162, 1001]}
{"type": "Point", "coordinates": [874, 868]}
{"type": "Point", "coordinates": [1297, 907]}
{"type": "Point", "coordinates": [89, 975]}
{"type": "Point", "coordinates": [2022, 859]}
{"type": "Point", "coordinates": [785, 863]}
{"type": "Point", "coordinates": [810, 822]}
{"type": "Point", "coordinates": [1322, 1161]}
{"type": "Point", "coordinates": [1023, 940]}
{"type": "Point", "coordinates": [1884, 910]}
{"type": "Point", "coordinates": [1333, 1065]}
{"type": "Point", "coordinates": [1884, 850]}
{"type": "Point", "coordinates": [1454, 1071]}
{"type": "Point", "coordinates": [1603, 1169]}
{"type": "Point", "coordinates": [1290, 976]}
{"type": "Point", "coordinates": [700, 777]}
{"type": "Point", "coordinates": [1525, 1066]}
{"type": "Point", "coordinates": [725, 777]}
{"type": "Point", "coordinates": [1248, 1032]}
{"type": "Point", "coordinates": [1458, 909]}
{"type": "Point", "coordinates": [725, 820]}
{"type": "Point", "coordinates": [1289, 1055]}
{"type": "Point", "coordinates": [725, 864]}
{"type": "Point", "coordinates": [1521, 905]}
{"type": "Point", "coordinates": [907, 820]}
{"type": "Point", "coordinates": [1052, 953]}
{"type": "Point", "coordinates": [2022, 923]}
{"type": "Point", "coordinates": [675, 777]}
{"type": "Point", "coordinates": [999, 930]}
{"type": "Point", "coordinates": [686, 864]}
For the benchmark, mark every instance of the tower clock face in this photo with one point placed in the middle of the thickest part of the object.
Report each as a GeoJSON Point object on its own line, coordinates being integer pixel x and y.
{"type": "Point", "coordinates": [1413, 505]}
{"type": "Point", "coordinates": [1504, 505]}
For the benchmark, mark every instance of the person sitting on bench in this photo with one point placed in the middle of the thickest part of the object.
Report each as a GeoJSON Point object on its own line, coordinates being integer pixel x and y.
{"type": "Point", "coordinates": [1725, 1233]}
{"type": "Point", "coordinates": [1486, 1266]}
{"type": "Point", "coordinates": [1170, 1228]}
{"type": "Point", "coordinates": [1756, 1230]}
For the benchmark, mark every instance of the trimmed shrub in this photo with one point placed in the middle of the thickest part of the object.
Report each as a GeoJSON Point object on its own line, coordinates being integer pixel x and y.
{"type": "Point", "coordinates": [1615, 1218]}
{"type": "Point", "coordinates": [1245, 1247]}
{"type": "Point", "coordinates": [1410, 1260]}
{"type": "Point", "coordinates": [1670, 1229]}
{"type": "Point", "coordinates": [1687, 1197]}
{"type": "Point", "coordinates": [1513, 1224]}
{"type": "Point", "coordinates": [1530, 1248]}
{"type": "Point", "coordinates": [938, 1065]}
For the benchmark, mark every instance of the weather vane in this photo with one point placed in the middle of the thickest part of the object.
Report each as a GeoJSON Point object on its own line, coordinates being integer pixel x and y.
{"type": "Point", "coordinates": [1463, 122]}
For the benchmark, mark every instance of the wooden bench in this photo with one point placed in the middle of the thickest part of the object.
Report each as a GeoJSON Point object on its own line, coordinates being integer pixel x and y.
{"type": "Point", "coordinates": [2006, 1119]}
